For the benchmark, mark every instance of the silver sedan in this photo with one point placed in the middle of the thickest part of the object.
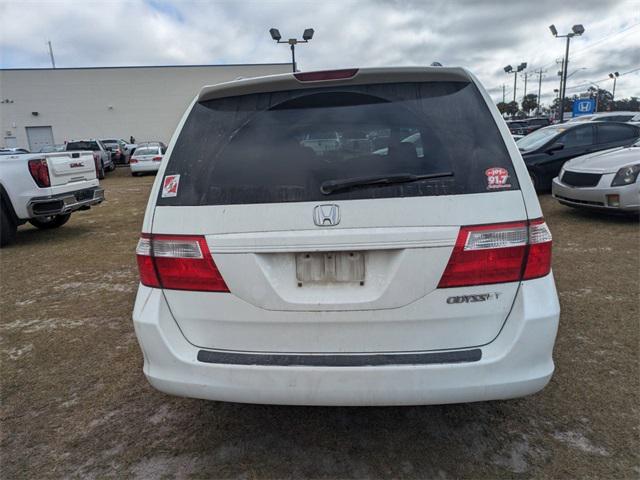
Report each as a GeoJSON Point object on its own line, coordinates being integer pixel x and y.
{"type": "Point", "coordinates": [606, 180]}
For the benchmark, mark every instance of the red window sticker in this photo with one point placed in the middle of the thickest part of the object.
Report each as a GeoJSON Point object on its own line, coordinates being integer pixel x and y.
{"type": "Point", "coordinates": [497, 178]}
{"type": "Point", "coordinates": [170, 186]}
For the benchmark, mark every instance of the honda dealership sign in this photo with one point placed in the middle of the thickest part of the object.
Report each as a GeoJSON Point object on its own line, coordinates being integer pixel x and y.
{"type": "Point", "coordinates": [584, 106]}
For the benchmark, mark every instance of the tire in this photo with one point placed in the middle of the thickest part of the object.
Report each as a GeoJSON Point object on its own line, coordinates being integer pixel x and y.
{"type": "Point", "coordinates": [47, 223]}
{"type": "Point", "coordinates": [112, 167]}
{"type": "Point", "coordinates": [135, 174]}
{"type": "Point", "coordinates": [8, 227]}
{"type": "Point", "coordinates": [101, 171]}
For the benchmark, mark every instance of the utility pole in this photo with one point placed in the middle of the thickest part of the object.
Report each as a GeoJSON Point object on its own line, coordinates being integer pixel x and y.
{"type": "Point", "coordinates": [526, 74]}
{"type": "Point", "coordinates": [539, 72]}
{"type": "Point", "coordinates": [564, 75]}
{"type": "Point", "coordinates": [503, 93]}
{"type": "Point", "coordinates": [576, 30]}
{"type": "Point", "coordinates": [560, 98]}
{"type": "Point", "coordinates": [53, 61]}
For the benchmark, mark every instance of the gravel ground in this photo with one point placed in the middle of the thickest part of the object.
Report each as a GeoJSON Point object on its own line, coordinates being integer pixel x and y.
{"type": "Point", "coordinates": [75, 402]}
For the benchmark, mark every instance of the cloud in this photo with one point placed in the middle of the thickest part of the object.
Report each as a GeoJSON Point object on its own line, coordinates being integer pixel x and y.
{"type": "Point", "coordinates": [483, 36]}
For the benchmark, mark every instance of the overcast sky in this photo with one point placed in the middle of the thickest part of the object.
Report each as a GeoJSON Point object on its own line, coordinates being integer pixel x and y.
{"type": "Point", "coordinates": [483, 36]}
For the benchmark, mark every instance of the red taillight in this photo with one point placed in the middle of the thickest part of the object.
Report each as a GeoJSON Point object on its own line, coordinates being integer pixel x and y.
{"type": "Point", "coordinates": [326, 75]}
{"type": "Point", "coordinates": [133, 160]}
{"type": "Point", "coordinates": [506, 252]}
{"type": "Point", "coordinates": [40, 172]}
{"type": "Point", "coordinates": [539, 255]}
{"type": "Point", "coordinates": [156, 159]}
{"type": "Point", "coordinates": [178, 262]}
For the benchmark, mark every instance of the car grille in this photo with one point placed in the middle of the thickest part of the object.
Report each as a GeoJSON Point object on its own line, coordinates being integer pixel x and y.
{"type": "Point", "coordinates": [578, 179]}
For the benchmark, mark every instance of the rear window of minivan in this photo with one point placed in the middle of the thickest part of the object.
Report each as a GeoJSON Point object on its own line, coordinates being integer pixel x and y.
{"type": "Point", "coordinates": [257, 148]}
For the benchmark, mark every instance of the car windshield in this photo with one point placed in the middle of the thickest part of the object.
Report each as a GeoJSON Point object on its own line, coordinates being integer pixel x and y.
{"type": "Point", "coordinates": [538, 138]}
{"type": "Point", "coordinates": [146, 151]}
{"type": "Point", "coordinates": [75, 146]}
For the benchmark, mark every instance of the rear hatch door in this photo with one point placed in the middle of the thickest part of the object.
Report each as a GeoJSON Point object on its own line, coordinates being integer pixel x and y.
{"type": "Point", "coordinates": [70, 167]}
{"type": "Point", "coordinates": [313, 265]}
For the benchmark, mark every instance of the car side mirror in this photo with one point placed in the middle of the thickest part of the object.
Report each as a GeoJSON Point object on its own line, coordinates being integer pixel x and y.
{"type": "Point", "coordinates": [555, 147]}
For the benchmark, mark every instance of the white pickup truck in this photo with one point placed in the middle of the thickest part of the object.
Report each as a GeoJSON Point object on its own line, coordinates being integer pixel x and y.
{"type": "Point", "coordinates": [44, 188]}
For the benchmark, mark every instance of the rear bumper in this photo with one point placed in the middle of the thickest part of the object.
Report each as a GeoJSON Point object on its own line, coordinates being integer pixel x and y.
{"type": "Point", "coordinates": [597, 197]}
{"type": "Point", "coordinates": [144, 167]}
{"type": "Point", "coordinates": [65, 202]}
{"type": "Point", "coordinates": [517, 362]}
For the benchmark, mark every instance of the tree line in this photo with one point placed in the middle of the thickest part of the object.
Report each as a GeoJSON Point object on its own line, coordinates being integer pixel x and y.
{"type": "Point", "coordinates": [604, 103]}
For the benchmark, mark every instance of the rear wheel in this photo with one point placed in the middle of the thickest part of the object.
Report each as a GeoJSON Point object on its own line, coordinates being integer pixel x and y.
{"type": "Point", "coordinates": [112, 167]}
{"type": "Point", "coordinates": [8, 227]}
{"type": "Point", "coordinates": [52, 221]}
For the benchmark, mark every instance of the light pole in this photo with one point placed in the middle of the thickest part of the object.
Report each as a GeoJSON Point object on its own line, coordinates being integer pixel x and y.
{"type": "Point", "coordinates": [306, 36]}
{"type": "Point", "coordinates": [519, 68]}
{"type": "Point", "coordinates": [614, 76]}
{"type": "Point", "coordinates": [576, 30]}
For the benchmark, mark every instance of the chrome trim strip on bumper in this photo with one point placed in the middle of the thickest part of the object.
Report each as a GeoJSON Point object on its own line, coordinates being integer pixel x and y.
{"type": "Point", "coordinates": [63, 203]}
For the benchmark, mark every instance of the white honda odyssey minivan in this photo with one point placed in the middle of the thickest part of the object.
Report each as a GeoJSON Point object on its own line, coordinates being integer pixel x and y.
{"type": "Point", "coordinates": [406, 263]}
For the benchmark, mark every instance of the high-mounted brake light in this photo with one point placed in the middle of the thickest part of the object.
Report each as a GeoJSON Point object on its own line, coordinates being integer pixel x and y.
{"type": "Point", "coordinates": [40, 172]}
{"type": "Point", "coordinates": [326, 75]}
{"type": "Point", "coordinates": [506, 252]}
{"type": "Point", "coordinates": [178, 262]}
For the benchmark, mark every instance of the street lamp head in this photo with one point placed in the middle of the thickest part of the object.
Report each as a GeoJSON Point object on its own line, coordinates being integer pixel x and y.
{"type": "Point", "coordinates": [522, 66]}
{"type": "Point", "coordinates": [616, 74]}
{"type": "Point", "coordinates": [611, 75]}
{"type": "Point", "coordinates": [308, 34]}
{"type": "Point", "coordinates": [554, 32]}
{"type": "Point", "coordinates": [508, 69]}
{"type": "Point", "coordinates": [578, 29]}
{"type": "Point", "coordinates": [275, 34]}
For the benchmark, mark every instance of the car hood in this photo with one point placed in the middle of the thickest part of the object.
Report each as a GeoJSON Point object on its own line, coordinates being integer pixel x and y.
{"type": "Point", "coordinates": [606, 161]}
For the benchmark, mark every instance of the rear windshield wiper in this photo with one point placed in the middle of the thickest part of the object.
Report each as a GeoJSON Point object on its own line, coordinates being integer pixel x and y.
{"type": "Point", "coordinates": [331, 186]}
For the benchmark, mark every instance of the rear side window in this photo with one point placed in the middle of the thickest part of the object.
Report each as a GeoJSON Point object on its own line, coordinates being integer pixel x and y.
{"type": "Point", "coordinates": [616, 133]}
{"type": "Point", "coordinates": [578, 137]}
{"type": "Point", "coordinates": [282, 146]}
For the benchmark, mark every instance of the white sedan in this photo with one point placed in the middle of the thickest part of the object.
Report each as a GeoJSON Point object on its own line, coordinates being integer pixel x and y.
{"type": "Point", "coordinates": [146, 159]}
{"type": "Point", "coordinates": [606, 180]}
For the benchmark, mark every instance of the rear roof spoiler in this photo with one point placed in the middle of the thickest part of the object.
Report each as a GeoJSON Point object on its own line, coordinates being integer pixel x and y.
{"type": "Point", "coordinates": [361, 76]}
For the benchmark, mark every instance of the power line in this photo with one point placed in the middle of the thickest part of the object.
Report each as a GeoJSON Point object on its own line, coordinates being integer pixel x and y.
{"type": "Point", "coordinates": [592, 44]}
{"type": "Point", "coordinates": [604, 39]}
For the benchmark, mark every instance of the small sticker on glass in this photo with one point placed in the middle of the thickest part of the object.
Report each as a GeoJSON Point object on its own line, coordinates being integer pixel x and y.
{"type": "Point", "coordinates": [170, 186]}
{"type": "Point", "coordinates": [497, 177]}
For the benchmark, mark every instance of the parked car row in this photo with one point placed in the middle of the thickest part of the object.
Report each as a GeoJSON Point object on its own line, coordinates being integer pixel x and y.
{"type": "Point", "coordinates": [526, 126]}
{"type": "Point", "coordinates": [591, 164]}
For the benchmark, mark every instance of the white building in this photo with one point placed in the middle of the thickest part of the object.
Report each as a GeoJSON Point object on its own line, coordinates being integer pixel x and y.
{"type": "Point", "coordinates": [47, 106]}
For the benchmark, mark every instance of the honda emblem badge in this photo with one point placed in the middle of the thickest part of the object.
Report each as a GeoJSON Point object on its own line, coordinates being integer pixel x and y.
{"type": "Point", "coordinates": [326, 215]}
